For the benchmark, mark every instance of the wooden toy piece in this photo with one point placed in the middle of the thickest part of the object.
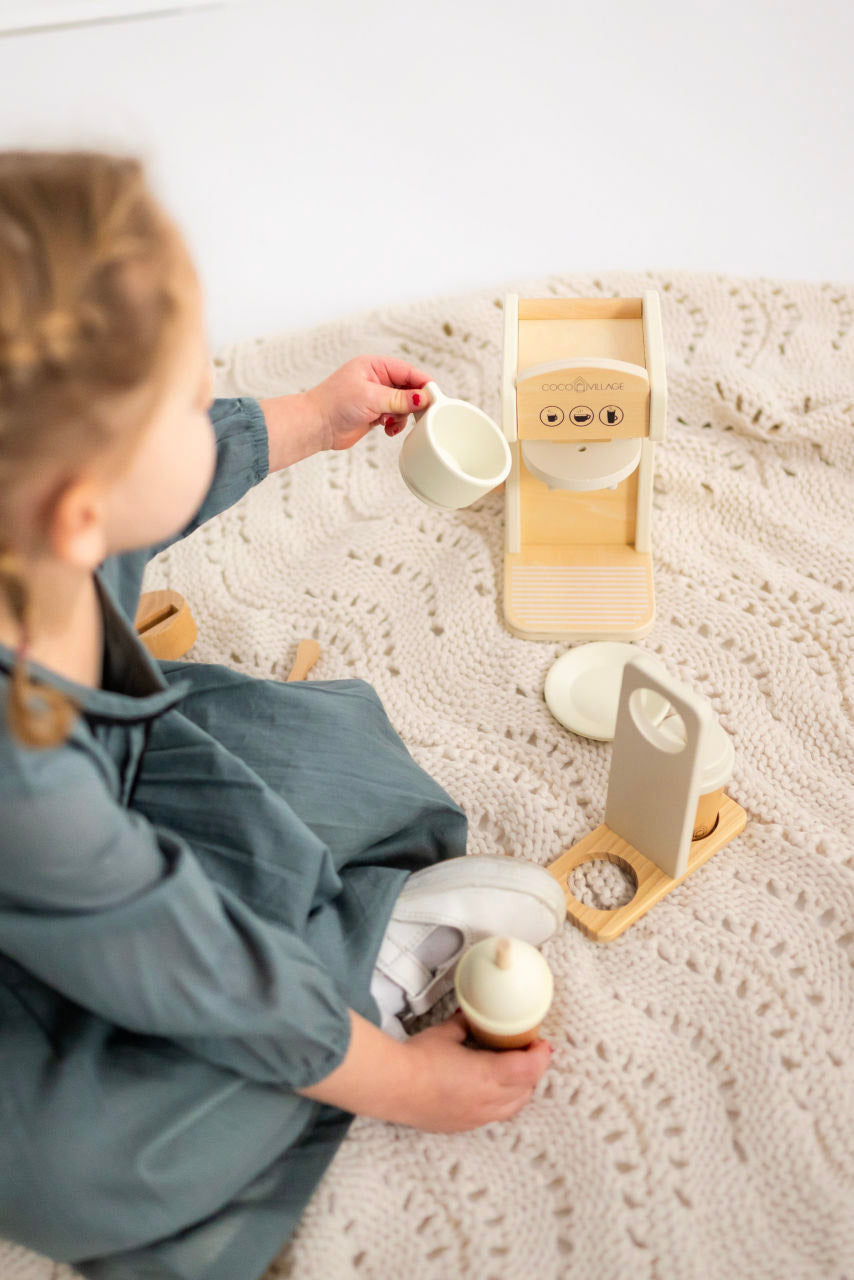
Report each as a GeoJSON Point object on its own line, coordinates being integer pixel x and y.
{"type": "Point", "coordinates": [308, 651]}
{"type": "Point", "coordinates": [505, 989]}
{"type": "Point", "coordinates": [654, 794]}
{"type": "Point", "coordinates": [583, 404]}
{"type": "Point", "coordinates": [164, 624]}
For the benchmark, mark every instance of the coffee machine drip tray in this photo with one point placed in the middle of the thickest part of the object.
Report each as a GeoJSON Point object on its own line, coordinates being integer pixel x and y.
{"type": "Point", "coordinates": [579, 593]}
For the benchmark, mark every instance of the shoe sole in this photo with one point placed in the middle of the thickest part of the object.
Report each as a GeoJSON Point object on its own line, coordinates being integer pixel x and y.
{"type": "Point", "coordinates": [484, 873]}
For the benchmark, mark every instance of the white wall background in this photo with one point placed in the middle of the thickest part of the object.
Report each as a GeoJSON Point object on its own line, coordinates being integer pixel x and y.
{"type": "Point", "coordinates": [330, 155]}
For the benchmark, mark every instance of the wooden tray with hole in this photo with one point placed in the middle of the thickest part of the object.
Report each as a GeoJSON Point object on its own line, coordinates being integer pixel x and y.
{"type": "Point", "coordinates": [652, 884]}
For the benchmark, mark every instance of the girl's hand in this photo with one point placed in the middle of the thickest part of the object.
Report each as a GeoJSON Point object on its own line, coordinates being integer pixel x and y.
{"type": "Point", "coordinates": [362, 393]}
{"type": "Point", "coordinates": [432, 1081]}
{"type": "Point", "coordinates": [454, 1088]}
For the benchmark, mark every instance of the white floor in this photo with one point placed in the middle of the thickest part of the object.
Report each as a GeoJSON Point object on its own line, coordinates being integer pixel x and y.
{"type": "Point", "coordinates": [329, 156]}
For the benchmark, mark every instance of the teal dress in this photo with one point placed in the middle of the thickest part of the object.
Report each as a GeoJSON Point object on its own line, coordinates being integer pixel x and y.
{"type": "Point", "coordinates": [193, 890]}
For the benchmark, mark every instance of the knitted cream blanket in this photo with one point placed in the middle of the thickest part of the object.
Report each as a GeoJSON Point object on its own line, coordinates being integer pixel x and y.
{"type": "Point", "coordinates": [697, 1120]}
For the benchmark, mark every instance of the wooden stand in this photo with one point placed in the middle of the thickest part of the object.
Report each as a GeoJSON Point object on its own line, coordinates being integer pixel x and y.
{"type": "Point", "coordinates": [165, 625]}
{"type": "Point", "coordinates": [653, 799]}
{"type": "Point", "coordinates": [652, 883]}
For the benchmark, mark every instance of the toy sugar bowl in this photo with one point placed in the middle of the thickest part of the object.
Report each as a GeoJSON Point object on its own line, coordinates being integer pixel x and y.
{"type": "Point", "coordinates": [504, 988]}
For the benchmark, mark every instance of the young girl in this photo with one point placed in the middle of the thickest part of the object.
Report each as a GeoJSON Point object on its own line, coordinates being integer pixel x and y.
{"type": "Point", "coordinates": [218, 896]}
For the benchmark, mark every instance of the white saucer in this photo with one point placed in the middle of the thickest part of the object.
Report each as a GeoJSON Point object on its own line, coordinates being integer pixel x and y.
{"type": "Point", "coordinates": [582, 689]}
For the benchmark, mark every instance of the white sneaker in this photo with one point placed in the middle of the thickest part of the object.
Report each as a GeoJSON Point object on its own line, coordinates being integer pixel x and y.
{"type": "Point", "coordinates": [465, 899]}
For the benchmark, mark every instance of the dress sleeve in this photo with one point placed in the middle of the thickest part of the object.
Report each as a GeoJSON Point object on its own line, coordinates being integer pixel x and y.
{"type": "Point", "coordinates": [243, 460]}
{"type": "Point", "coordinates": [119, 916]}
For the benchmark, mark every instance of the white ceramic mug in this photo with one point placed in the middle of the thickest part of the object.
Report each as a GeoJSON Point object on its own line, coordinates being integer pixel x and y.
{"type": "Point", "coordinates": [454, 454]}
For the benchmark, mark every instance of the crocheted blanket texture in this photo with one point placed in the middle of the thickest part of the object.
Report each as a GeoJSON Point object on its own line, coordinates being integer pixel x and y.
{"type": "Point", "coordinates": [697, 1119]}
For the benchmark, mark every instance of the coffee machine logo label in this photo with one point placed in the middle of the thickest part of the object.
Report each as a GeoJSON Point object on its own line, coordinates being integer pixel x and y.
{"type": "Point", "coordinates": [581, 384]}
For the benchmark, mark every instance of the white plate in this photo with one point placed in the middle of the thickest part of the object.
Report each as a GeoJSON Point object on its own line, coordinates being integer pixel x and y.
{"type": "Point", "coordinates": [582, 689]}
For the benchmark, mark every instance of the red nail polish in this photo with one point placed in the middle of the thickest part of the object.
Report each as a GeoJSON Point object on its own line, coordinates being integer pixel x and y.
{"type": "Point", "coordinates": [416, 399]}
{"type": "Point", "coordinates": [389, 421]}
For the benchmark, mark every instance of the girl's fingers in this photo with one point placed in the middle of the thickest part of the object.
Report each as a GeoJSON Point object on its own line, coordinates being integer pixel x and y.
{"type": "Point", "coordinates": [399, 404]}
{"type": "Point", "coordinates": [525, 1066]}
{"type": "Point", "coordinates": [455, 1028]}
{"type": "Point", "coordinates": [458, 1021]}
{"type": "Point", "coordinates": [397, 373]}
{"type": "Point", "coordinates": [400, 401]}
{"type": "Point", "coordinates": [515, 1107]}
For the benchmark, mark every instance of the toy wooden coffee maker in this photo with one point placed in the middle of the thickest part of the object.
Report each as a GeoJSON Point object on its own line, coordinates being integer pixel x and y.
{"type": "Point", "coordinates": [584, 402]}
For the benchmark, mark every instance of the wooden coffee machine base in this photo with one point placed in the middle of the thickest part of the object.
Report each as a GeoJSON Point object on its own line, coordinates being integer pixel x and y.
{"type": "Point", "coordinates": [584, 403]}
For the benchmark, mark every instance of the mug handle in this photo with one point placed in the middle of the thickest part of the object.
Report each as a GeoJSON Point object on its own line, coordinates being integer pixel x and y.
{"type": "Point", "coordinates": [436, 397]}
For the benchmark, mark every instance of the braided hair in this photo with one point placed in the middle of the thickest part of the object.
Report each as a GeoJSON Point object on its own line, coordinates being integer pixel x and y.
{"type": "Point", "coordinates": [94, 279]}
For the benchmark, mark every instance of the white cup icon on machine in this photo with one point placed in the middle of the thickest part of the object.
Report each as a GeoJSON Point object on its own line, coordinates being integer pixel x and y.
{"type": "Point", "coordinates": [454, 454]}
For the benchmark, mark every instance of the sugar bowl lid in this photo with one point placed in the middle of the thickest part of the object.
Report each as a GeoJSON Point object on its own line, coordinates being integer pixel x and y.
{"type": "Point", "coordinates": [505, 984]}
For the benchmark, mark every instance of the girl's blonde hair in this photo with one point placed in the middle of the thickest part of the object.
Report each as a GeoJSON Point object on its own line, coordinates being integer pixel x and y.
{"type": "Point", "coordinates": [94, 280]}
